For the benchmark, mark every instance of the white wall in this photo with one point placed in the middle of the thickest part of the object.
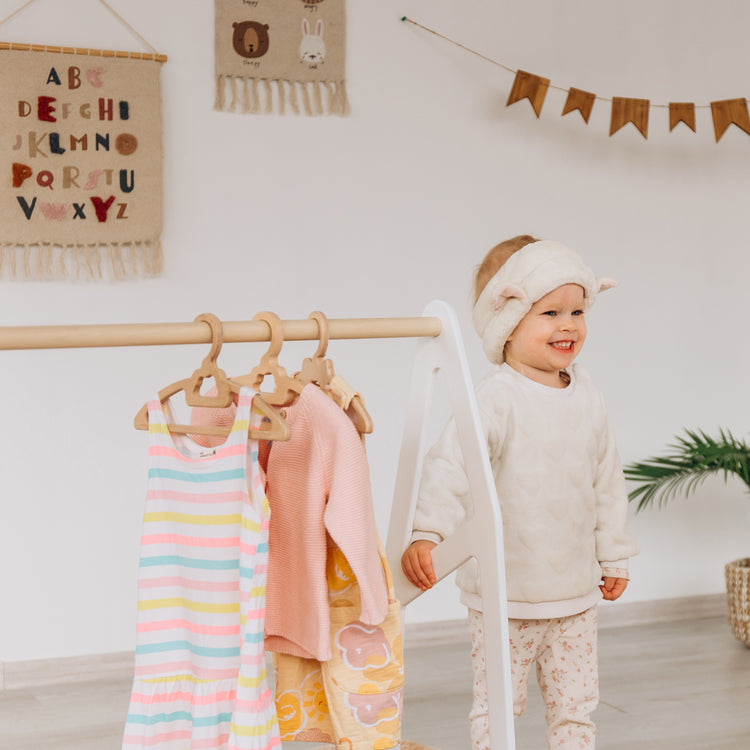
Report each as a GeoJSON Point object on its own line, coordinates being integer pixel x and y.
{"type": "Point", "coordinates": [375, 215]}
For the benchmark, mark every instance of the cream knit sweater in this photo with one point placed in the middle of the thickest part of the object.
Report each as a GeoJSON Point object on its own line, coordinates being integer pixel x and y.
{"type": "Point", "coordinates": [561, 490]}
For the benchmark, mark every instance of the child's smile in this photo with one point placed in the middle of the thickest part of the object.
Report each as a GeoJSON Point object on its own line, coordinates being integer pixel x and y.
{"type": "Point", "coordinates": [549, 336]}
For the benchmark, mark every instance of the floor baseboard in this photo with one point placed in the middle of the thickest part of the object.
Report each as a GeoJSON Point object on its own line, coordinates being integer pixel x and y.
{"type": "Point", "coordinates": [17, 675]}
{"type": "Point", "coordinates": [116, 666]}
{"type": "Point", "coordinates": [614, 615]}
{"type": "Point", "coordinates": [611, 615]}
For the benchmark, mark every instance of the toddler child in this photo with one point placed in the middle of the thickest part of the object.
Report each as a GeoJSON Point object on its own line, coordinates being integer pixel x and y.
{"type": "Point", "coordinates": [559, 482]}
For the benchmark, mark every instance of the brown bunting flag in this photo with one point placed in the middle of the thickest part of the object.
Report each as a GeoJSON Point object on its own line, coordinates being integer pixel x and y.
{"type": "Point", "coordinates": [729, 112]}
{"type": "Point", "coordinates": [626, 110]}
{"type": "Point", "coordinates": [681, 112]}
{"type": "Point", "coordinates": [531, 87]}
{"type": "Point", "coordinates": [583, 101]}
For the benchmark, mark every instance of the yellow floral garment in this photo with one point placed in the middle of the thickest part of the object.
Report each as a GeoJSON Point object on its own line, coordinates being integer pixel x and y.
{"type": "Point", "coordinates": [353, 701]}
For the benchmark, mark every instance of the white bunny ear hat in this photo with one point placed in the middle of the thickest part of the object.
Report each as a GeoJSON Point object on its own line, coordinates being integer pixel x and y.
{"type": "Point", "coordinates": [530, 273]}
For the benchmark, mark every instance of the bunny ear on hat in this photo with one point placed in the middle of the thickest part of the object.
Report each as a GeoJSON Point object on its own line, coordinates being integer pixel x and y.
{"type": "Point", "coordinates": [503, 292]}
{"type": "Point", "coordinates": [606, 282]}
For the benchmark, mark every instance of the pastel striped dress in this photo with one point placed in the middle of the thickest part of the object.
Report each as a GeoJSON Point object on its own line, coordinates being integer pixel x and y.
{"type": "Point", "coordinates": [200, 676]}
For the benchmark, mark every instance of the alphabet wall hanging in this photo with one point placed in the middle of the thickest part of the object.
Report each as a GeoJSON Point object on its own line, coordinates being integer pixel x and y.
{"type": "Point", "coordinates": [81, 159]}
{"type": "Point", "coordinates": [280, 56]}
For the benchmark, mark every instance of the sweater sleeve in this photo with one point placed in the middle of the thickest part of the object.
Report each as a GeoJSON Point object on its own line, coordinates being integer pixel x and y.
{"type": "Point", "coordinates": [349, 516]}
{"type": "Point", "coordinates": [444, 499]}
{"type": "Point", "coordinates": [614, 542]}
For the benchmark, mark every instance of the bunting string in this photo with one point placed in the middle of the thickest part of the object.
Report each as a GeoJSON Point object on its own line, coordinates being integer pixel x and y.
{"type": "Point", "coordinates": [624, 110]}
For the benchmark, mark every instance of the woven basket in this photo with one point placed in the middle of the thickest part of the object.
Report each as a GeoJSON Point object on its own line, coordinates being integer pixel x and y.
{"type": "Point", "coordinates": [738, 598]}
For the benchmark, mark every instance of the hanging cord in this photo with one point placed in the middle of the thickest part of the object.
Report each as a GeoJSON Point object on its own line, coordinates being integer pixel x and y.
{"type": "Point", "coordinates": [15, 12]}
{"type": "Point", "coordinates": [511, 70]}
{"type": "Point", "coordinates": [106, 5]}
{"type": "Point", "coordinates": [458, 44]}
{"type": "Point", "coordinates": [127, 25]}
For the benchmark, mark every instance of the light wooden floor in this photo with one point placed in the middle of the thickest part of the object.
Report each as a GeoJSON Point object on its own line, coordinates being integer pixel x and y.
{"type": "Point", "coordinates": [668, 686]}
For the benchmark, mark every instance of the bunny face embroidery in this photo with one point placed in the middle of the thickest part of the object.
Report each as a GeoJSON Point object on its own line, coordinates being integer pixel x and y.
{"type": "Point", "coordinates": [312, 48]}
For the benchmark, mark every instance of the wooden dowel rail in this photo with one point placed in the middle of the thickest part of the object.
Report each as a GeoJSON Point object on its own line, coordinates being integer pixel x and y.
{"type": "Point", "coordinates": [156, 57]}
{"type": "Point", "coordinates": [159, 334]}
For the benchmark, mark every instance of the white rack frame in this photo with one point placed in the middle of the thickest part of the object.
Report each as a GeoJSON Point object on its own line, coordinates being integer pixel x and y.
{"type": "Point", "coordinates": [481, 535]}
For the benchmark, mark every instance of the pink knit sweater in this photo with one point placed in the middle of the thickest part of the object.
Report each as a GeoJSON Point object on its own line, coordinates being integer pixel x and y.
{"type": "Point", "coordinates": [318, 487]}
{"type": "Point", "coordinates": [318, 482]}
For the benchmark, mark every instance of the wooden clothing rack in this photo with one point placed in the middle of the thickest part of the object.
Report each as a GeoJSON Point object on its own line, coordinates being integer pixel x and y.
{"type": "Point", "coordinates": [439, 349]}
{"type": "Point", "coordinates": [163, 334]}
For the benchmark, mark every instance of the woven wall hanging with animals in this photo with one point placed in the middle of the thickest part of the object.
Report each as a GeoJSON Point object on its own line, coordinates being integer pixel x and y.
{"type": "Point", "coordinates": [281, 56]}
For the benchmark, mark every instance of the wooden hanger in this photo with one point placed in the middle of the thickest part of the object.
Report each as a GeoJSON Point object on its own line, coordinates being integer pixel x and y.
{"type": "Point", "coordinates": [317, 369]}
{"type": "Point", "coordinates": [352, 403]}
{"type": "Point", "coordinates": [275, 429]}
{"type": "Point", "coordinates": [286, 388]}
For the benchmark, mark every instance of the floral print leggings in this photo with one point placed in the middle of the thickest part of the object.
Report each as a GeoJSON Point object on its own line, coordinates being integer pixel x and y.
{"type": "Point", "coordinates": [564, 651]}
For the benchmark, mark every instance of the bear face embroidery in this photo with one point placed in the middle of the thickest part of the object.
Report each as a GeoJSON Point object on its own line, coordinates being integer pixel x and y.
{"type": "Point", "coordinates": [250, 38]}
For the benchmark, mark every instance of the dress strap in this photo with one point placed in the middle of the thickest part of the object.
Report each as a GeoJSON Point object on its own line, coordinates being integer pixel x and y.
{"type": "Point", "coordinates": [241, 423]}
{"type": "Point", "coordinates": [157, 419]}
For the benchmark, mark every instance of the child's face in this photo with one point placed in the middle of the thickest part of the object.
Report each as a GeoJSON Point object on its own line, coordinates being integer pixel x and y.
{"type": "Point", "coordinates": [549, 336]}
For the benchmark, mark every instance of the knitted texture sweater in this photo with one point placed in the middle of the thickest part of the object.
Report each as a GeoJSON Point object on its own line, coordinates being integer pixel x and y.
{"type": "Point", "coordinates": [318, 487]}
{"type": "Point", "coordinates": [561, 490]}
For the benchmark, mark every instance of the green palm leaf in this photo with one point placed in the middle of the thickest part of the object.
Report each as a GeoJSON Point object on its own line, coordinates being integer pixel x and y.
{"type": "Point", "coordinates": [690, 460]}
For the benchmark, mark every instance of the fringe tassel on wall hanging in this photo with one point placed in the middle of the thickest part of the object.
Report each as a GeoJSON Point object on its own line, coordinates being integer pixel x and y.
{"type": "Point", "coordinates": [281, 58]}
{"type": "Point", "coordinates": [112, 261]}
{"type": "Point", "coordinates": [255, 96]}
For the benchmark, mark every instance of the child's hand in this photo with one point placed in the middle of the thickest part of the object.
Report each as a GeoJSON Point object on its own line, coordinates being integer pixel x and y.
{"type": "Point", "coordinates": [416, 563]}
{"type": "Point", "coordinates": [612, 588]}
